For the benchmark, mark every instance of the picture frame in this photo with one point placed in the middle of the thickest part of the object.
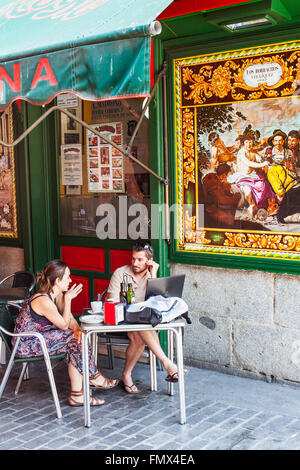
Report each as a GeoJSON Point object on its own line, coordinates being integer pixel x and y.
{"type": "Point", "coordinates": [223, 101]}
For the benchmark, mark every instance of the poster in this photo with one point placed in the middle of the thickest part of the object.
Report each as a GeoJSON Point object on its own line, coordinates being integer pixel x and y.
{"type": "Point", "coordinates": [8, 207]}
{"type": "Point", "coordinates": [238, 152]}
{"type": "Point", "coordinates": [67, 100]}
{"type": "Point", "coordinates": [105, 163]}
{"type": "Point", "coordinates": [71, 165]}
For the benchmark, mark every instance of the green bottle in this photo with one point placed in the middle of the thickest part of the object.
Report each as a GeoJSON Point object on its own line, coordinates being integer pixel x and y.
{"type": "Point", "coordinates": [130, 295]}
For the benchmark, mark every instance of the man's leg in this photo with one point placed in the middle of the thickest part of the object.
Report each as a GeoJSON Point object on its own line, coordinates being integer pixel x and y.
{"type": "Point", "coordinates": [150, 338]}
{"type": "Point", "coordinates": [133, 353]}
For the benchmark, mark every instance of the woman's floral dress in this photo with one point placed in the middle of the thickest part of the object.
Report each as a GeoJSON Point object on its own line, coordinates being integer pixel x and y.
{"type": "Point", "coordinates": [57, 340]}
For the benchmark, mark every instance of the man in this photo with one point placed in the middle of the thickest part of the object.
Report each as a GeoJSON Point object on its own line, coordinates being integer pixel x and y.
{"type": "Point", "coordinates": [220, 203]}
{"type": "Point", "coordinates": [287, 188]}
{"type": "Point", "coordinates": [219, 152]}
{"type": "Point", "coordinates": [141, 269]}
{"type": "Point", "coordinates": [277, 147]}
{"type": "Point", "coordinates": [293, 150]}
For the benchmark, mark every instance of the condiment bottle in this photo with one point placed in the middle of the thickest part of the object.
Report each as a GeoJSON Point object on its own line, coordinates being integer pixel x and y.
{"type": "Point", "coordinates": [123, 294]}
{"type": "Point", "coordinates": [130, 295]}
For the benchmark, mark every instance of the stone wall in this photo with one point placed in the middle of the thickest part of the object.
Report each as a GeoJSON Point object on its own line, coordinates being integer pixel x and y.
{"type": "Point", "coordinates": [11, 260]}
{"type": "Point", "coordinates": [242, 321]}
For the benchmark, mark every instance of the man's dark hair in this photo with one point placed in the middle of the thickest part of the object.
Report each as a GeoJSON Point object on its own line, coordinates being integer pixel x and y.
{"type": "Point", "coordinates": [223, 168]}
{"type": "Point", "coordinates": [144, 246]}
{"type": "Point", "coordinates": [294, 134]}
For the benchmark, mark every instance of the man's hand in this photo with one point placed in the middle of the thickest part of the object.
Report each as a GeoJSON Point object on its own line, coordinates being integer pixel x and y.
{"type": "Point", "coordinates": [153, 268]}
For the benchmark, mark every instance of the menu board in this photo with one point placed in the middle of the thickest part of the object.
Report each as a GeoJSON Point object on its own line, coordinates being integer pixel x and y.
{"type": "Point", "coordinates": [105, 163]}
{"type": "Point", "coordinates": [71, 165]}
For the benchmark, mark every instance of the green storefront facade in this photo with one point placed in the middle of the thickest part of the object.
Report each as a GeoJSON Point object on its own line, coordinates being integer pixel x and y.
{"type": "Point", "coordinates": [241, 278]}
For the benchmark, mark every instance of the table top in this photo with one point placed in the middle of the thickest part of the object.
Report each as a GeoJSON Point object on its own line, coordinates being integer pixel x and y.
{"type": "Point", "coordinates": [13, 294]}
{"type": "Point", "coordinates": [102, 327]}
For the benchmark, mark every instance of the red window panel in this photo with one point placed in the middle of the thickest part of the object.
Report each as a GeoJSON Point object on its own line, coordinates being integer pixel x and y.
{"type": "Point", "coordinates": [79, 257]}
{"type": "Point", "coordinates": [83, 299]}
{"type": "Point", "coordinates": [119, 258]}
{"type": "Point", "coordinates": [100, 286]}
{"type": "Point", "coordinates": [185, 7]}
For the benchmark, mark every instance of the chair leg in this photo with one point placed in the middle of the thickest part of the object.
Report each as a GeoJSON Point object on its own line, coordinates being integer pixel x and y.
{"type": "Point", "coordinates": [52, 385]}
{"type": "Point", "coordinates": [110, 354]}
{"type": "Point", "coordinates": [22, 375]}
{"type": "Point", "coordinates": [8, 369]}
{"type": "Point", "coordinates": [94, 344]}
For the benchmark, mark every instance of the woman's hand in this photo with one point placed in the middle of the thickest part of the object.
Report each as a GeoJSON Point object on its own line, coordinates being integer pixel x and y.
{"type": "Point", "coordinates": [73, 291]}
{"type": "Point", "coordinates": [77, 334]}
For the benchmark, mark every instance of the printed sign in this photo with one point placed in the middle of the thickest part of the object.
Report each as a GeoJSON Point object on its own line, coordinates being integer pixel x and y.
{"type": "Point", "coordinates": [105, 162]}
{"type": "Point", "coordinates": [71, 165]}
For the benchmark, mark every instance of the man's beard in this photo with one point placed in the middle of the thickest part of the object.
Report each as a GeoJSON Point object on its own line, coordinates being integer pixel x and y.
{"type": "Point", "coordinates": [139, 270]}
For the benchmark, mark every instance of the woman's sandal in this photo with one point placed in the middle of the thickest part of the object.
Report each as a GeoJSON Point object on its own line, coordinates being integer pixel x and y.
{"type": "Point", "coordinates": [107, 383]}
{"type": "Point", "coordinates": [93, 401]}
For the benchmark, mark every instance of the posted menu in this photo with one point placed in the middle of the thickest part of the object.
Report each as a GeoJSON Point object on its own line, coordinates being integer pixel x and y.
{"type": "Point", "coordinates": [71, 165]}
{"type": "Point", "coordinates": [105, 163]}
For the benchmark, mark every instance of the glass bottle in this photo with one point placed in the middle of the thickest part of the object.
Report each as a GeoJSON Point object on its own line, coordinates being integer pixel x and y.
{"type": "Point", "coordinates": [123, 294]}
{"type": "Point", "coordinates": [130, 295]}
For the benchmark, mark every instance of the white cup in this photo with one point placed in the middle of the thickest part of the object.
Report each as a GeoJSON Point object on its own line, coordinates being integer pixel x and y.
{"type": "Point", "coordinates": [96, 306]}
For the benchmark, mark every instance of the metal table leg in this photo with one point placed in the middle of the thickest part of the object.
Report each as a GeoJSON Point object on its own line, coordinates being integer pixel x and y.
{"type": "Point", "coordinates": [171, 357]}
{"type": "Point", "coordinates": [180, 374]}
{"type": "Point", "coordinates": [153, 375]}
{"type": "Point", "coordinates": [85, 377]}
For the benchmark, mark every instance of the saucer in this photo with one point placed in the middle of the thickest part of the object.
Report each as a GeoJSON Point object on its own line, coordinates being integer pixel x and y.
{"type": "Point", "coordinates": [95, 313]}
{"type": "Point", "coordinates": [92, 318]}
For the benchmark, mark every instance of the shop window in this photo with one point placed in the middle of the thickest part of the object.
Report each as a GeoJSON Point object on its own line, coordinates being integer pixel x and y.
{"type": "Point", "coordinates": [95, 176]}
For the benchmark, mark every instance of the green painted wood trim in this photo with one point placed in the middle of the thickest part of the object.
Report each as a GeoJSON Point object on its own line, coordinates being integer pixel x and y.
{"type": "Point", "coordinates": [202, 45]}
{"type": "Point", "coordinates": [23, 164]}
{"type": "Point", "coordinates": [156, 141]}
{"type": "Point", "coordinates": [41, 148]}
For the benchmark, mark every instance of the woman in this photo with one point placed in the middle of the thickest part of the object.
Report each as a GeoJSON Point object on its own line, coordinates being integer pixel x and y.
{"type": "Point", "coordinates": [48, 312]}
{"type": "Point", "coordinates": [255, 187]}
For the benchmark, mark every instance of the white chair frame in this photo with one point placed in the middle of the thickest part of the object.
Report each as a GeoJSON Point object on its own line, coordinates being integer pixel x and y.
{"type": "Point", "coordinates": [47, 362]}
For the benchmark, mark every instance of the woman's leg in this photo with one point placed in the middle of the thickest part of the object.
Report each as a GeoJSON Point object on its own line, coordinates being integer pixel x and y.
{"type": "Point", "coordinates": [75, 378]}
{"type": "Point", "coordinates": [75, 358]}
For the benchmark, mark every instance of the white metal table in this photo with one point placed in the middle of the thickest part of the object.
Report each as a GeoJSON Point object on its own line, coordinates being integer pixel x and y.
{"type": "Point", "coordinates": [173, 328]}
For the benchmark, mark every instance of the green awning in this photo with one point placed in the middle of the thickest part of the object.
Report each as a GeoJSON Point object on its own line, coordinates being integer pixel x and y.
{"type": "Point", "coordinates": [98, 49]}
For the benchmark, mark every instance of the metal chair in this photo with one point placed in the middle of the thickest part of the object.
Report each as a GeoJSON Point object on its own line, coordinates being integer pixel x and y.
{"type": "Point", "coordinates": [19, 279]}
{"type": "Point", "coordinates": [6, 333]}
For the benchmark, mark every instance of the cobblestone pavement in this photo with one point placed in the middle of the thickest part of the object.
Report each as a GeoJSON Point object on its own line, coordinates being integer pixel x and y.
{"type": "Point", "coordinates": [223, 412]}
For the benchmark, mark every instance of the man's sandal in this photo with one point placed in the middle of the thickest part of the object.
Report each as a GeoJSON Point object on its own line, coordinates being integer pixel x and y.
{"type": "Point", "coordinates": [106, 385]}
{"type": "Point", "coordinates": [128, 388]}
{"type": "Point", "coordinates": [174, 377]}
{"type": "Point", "coordinates": [74, 402]}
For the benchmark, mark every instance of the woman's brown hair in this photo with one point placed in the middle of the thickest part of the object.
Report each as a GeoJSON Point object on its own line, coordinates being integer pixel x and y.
{"type": "Point", "coordinates": [52, 270]}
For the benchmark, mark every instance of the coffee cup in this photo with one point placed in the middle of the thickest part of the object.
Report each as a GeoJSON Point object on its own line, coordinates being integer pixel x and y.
{"type": "Point", "coordinates": [96, 306]}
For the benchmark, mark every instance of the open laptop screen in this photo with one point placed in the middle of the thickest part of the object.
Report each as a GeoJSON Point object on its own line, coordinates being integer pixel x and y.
{"type": "Point", "coordinates": [171, 286]}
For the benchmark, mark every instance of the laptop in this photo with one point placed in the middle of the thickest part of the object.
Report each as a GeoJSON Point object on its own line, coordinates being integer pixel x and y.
{"type": "Point", "coordinates": [171, 286]}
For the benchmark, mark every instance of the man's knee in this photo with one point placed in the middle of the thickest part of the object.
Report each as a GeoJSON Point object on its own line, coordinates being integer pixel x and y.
{"type": "Point", "coordinates": [136, 338]}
